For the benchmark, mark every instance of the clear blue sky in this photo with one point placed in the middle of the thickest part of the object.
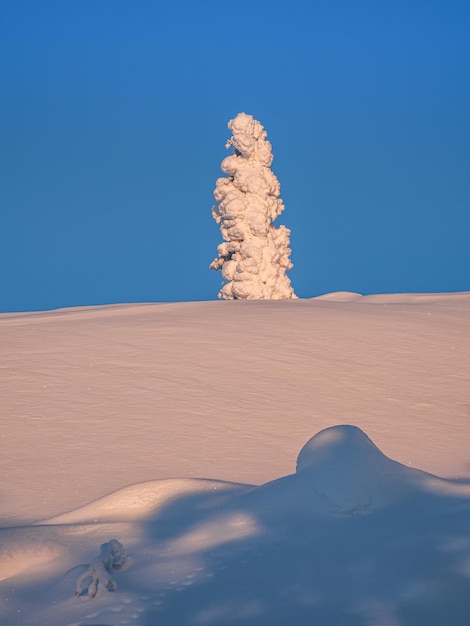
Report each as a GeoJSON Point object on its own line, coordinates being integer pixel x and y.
{"type": "Point", "coordinates": [113, 126]}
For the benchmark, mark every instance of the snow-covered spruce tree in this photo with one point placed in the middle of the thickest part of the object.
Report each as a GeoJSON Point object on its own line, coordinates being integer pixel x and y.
{"type": "Point", "coordinates": [254, 257]}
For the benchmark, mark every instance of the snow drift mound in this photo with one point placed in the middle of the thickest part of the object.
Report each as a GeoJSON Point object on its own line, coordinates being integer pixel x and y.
{"type": "Point", "coordinates": [345, 447]}
{"type": "Point", "coordinates": [342, 465]}
{"type": "Point", "coordinates": [145, 500]}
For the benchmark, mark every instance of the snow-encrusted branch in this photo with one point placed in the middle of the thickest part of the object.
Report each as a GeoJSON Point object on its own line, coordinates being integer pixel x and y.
{"type": "Point", "coordinates": [254, 257]}
{"type": "Point", "coordinates": [98, 573]}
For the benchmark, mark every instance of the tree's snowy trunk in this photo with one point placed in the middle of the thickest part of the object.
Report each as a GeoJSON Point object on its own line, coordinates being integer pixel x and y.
{"type": "Point", "coordinates": [254, 257]}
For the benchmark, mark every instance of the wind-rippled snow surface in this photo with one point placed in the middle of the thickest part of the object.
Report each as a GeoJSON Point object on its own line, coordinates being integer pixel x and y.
{"type": "Point", "coordinates": [242, 454]}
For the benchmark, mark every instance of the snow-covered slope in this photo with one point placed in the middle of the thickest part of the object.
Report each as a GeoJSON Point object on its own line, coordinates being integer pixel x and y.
{"type": "Point", "coordinates": [351, 537]}
{"type": "Point", "coordinates": [153, 424]}
{"type": "Point", "coordinates": [94, 399]}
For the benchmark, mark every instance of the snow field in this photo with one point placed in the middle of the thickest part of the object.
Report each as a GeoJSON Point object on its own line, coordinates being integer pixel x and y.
{"type": "Point", "coordinates": [286, 528]}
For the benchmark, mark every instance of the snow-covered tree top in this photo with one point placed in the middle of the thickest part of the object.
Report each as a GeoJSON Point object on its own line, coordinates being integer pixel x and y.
{"type": "Point", "coordinates": [249, 139]}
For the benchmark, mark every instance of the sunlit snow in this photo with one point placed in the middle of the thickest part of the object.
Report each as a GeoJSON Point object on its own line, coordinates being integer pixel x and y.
{"type": "Point", "coordinates": [254, 257]}
{"type": "Point", "coordinates": [257, 463]}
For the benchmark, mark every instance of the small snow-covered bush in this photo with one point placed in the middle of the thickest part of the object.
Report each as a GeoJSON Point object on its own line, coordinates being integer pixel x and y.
{"type": "Point", "coordinates": [98, 573]}
{"type": "Point", "coordinates": [254, 257]}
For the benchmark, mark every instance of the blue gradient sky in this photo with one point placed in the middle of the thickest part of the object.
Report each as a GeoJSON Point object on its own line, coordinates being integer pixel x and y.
{"type": "Point", "coordinates": [113, 126]}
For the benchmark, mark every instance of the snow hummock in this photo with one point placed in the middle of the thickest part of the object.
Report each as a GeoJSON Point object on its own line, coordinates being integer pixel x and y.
{"type": "Point", "coordinates": [346, 468]}
{"type": "Point", "coordinates": [254, 257]}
